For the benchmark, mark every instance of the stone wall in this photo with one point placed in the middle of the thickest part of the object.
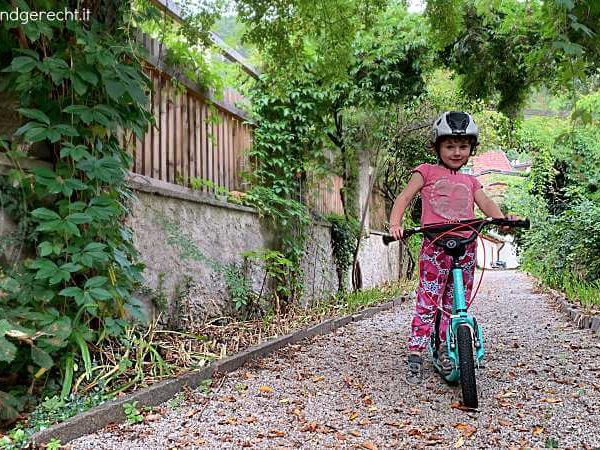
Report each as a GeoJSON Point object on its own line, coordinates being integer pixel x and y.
{"type": "Point", "coordinates": [187, 238]}
{"type": "Point", "coordinates": [378, 263]}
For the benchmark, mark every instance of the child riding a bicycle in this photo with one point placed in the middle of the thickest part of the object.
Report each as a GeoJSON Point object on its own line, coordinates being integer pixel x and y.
{"type": "Point", "coordinates": [447, 195]}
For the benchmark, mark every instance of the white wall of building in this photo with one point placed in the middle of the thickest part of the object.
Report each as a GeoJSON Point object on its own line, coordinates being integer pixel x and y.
{"type": "Point", "coordinates": [496, 250]}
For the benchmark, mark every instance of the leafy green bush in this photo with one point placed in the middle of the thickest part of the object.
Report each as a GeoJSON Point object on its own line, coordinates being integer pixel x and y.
{"type": "Point", "coordinates": [562, 200]}
{"type": "Point", "coordinates": [566, 246]}
{"type": "Point", "coordinates": [79, 88]}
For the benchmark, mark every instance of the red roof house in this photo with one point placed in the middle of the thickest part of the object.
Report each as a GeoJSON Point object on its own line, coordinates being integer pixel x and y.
{"type": "Point", "coordinates": [491, 161]}
{"type": "Point", "coordinates": [485, 165]}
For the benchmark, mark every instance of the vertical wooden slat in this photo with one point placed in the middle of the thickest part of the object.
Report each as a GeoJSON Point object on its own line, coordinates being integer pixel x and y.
{"type": "Point", "coordinates": [153, 153]}
{"type": "Point", "coordinates": [234, 146]}
{"type": "Point", "coordinates": [171, 135]}
{"type": "Point", "coordinates": [225, 128]}
{"type": "Point", "coordinates": [192, 137]}
{"type": "Point", "coordinates": [147, 137]}
{"type": "Point", "coordinates": [217, 158]}
{"type": "Point", "coordinates": [166, 159]}
{"type": "Point", "coordinates": [240, 158]}
{"type": "Point", "coordinates": [239, 155]}
{"type": "Point", "coordinates": [204, 141]}
{"type": "Point", "coordinates": [209, 146]}
{"type": "Point", "coordinates": [198, 136]}
{"type": "Point", "coordinates": [217, 150]}
{"type": "Point", "coordinates": [223, 150]}
{"type": "Point", "coordinates": [176, 138]}
{"type": "Point", "coordinates": [138, 154]}
{"type": "Point", "coordinates": [226, 172]}
{"type": "Point", "coordinates": [231, 150]}
{"type": "Point", "coordinates": [245, 160]}
{"type": "Point", "coordinates": [226, 157]}
{"type": "Point", "coordinates": [183, 139]}
{"type": "Point", "coordinates": [160, 156]}
{"type": "Point", "coordinates": [232, 163]}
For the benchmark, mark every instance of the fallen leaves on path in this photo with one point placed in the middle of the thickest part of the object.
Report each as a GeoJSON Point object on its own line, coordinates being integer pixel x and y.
{"type": "Point", "coordinates": [458, 405]}
{"type": "Point", "coordinates": [466, 429]}
{"type": "Point", "coordinates": [285, 402]}
{"type": "Point", "coordinates": [229, 421]}
{"type": "Point", "coordinates": [275, 434]}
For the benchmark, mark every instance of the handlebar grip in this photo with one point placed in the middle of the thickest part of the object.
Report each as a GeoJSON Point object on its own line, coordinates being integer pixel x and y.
{"type": "Point", "coordinates": [525, 223]}
{"type": "Point", "coordinates": [388, 238]}
{"type": "Point", "coordinates": [409, 232]}
{"type": "Point", "coordinates": [405, 235]}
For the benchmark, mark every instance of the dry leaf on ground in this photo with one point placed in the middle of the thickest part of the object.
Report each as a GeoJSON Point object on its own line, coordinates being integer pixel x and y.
{"type": "Point", "coordinates": [466, 429]}
{"type": "Point", "coordinates": [460, 442]}
{"type": "Point", "coordinates": [275, 434]}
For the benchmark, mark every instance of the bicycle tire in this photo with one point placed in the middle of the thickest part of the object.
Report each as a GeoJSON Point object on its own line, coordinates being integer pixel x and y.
{"type": "Point", "coordinates": [467, 367]}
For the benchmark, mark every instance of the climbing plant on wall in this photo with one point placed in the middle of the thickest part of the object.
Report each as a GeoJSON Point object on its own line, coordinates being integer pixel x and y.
{"type": "Point", "coordinates": [80, 89]}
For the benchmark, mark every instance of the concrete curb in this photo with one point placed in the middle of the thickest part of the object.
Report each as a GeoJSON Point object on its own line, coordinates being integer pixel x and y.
{"type": "Point", "coordinates": [582, 319]}
{"type": "Point", "coordinates": [112, 411]}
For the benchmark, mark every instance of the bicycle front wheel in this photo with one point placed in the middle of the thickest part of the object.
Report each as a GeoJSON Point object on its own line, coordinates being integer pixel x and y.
{"type": "Point", "coordinates": [467, 366]}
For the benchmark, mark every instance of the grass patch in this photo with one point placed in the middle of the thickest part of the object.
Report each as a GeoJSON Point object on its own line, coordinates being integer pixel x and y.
{"type": "Point", "coordinates": [587, 294]}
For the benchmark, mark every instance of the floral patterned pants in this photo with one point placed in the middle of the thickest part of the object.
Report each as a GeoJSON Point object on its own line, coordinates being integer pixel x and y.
{"type": "Point", "coordinates": [436, 288]}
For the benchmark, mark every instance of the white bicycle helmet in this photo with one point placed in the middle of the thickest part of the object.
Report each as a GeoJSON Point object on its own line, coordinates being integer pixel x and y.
{"type": "Point", "coordinates": [455, 123]}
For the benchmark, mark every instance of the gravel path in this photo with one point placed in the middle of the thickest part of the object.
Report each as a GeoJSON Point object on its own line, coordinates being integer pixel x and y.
{"type": "Point", "coordinates": [540, 387]}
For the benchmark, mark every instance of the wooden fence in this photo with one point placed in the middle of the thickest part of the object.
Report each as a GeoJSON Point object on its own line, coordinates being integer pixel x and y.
{"type": "Point", "coordinates": [195, 135]}
{"type": "Point", "coordinates": [324, 196]}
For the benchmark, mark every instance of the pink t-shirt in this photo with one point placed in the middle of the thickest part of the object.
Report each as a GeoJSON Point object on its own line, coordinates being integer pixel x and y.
{"type": "Point", "coordinates": [446, 195]}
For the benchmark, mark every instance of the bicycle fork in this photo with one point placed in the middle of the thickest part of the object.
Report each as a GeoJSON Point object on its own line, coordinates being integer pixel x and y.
{"type": "Point", "coordinates": [459, 318]}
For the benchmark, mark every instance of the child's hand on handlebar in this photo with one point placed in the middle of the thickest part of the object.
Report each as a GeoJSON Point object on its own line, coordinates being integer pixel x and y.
{"type": "Point", "coordinates": [507, 229]}
{"type": "Point", "coordinates": [397, 231]}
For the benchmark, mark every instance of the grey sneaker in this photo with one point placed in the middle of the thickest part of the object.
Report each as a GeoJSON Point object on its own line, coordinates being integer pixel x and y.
{"type": "Point", "coordinates": [444, 360]}
{"type": "Point", "coordinates": [414, 369]}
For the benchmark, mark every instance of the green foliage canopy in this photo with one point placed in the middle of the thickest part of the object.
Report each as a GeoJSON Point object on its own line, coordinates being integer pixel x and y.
{"type": "Point", "coordinates": [537, 42]}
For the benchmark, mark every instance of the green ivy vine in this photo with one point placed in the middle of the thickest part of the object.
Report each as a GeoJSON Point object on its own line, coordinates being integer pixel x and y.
{"type": "Point", "coordinates": [344, 234]}
{"type": "Point", "coordinates": [288, 143]}
{"type": "Point", "coordinates": [78, 86]}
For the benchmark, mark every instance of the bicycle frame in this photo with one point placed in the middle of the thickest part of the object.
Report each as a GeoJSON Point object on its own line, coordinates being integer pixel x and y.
{"type": "Point", "coordinates": [459, 317]}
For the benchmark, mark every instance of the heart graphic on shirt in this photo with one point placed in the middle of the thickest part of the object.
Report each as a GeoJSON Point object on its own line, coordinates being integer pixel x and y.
{"type": "Point", "coordinates": [451, 200]}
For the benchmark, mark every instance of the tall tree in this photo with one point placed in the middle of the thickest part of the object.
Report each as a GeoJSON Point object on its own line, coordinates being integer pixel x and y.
{"type": "Point", "coordinates": [502, 49]}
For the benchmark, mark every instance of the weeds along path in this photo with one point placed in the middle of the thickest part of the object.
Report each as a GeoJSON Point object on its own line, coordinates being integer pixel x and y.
{"type": "Point", "coordinates": [540, 387]}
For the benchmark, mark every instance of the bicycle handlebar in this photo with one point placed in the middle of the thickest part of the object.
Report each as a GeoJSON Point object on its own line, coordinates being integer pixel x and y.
{"type": "Point", "coordinates": [460, 225]}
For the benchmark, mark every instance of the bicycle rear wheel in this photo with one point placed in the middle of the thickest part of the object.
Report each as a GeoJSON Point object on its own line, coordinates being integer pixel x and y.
{"type": "Point", "coordinates": [467, 366]}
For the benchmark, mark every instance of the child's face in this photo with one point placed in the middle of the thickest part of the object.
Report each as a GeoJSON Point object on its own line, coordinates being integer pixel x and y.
{"type": "Point", "coordinates": [455, 152]}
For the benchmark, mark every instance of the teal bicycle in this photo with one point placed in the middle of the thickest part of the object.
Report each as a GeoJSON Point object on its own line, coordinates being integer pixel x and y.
{"type": "Point", "coordinates": [464, 336]}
